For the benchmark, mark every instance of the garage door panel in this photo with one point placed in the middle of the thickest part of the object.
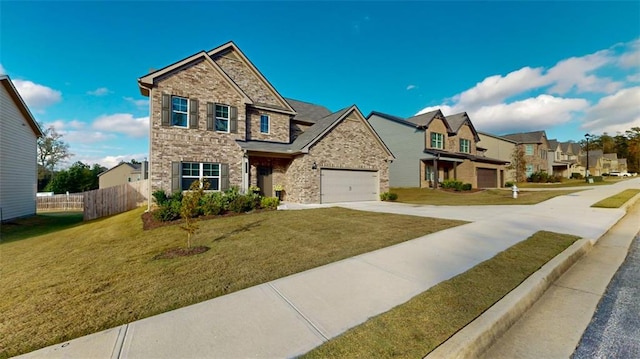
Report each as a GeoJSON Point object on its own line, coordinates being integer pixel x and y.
{"type": "Point", "coordinates": [348, 186]}
{"type": "Point", "coordinates": [487, 178]}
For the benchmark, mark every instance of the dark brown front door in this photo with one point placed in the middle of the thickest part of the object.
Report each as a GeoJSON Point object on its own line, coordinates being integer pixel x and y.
{"type": "Point", "coordinates": [265, 181]}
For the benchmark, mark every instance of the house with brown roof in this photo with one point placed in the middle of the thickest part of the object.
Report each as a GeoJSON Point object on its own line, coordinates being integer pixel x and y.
{"type": "Point", "coordinates": [430, 148]}
{"type": "Point", "coordinates": [215, 117]}
{"type": "Point", "coordinates": [535, 147]}
{"type": "Point", "coordinates": [19, 133]}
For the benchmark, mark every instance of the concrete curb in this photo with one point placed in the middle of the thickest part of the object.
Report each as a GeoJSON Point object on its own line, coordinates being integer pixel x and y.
{"type": "Point", "coordinates": [475, 338]}
{"type": "Point", "coordinates": [628, 204]}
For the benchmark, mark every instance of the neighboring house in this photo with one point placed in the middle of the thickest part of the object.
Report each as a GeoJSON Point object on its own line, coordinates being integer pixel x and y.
{"type": "Point", "coordinates": [498, 147]}
{"type": "Point", "coordinates": [19, 134]}
{"type": "Point", "coordinates": [622, 165]}
{"type": "Point", "coordinates": [597, 162]}
{"type": "Point", "coordinates": [214, 116]}
{"type": "Point", "coordinates": [430, 148]}
{"type": "Point", "coordinates": [535, 147]}
{"type": "Point", "coordinates": [558, 165]}
{"type": "Point", "coordinates": [124, 172]}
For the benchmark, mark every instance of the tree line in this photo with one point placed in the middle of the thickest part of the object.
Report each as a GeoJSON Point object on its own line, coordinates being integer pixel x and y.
{"type": "Point", "coordinates": [626, 145]}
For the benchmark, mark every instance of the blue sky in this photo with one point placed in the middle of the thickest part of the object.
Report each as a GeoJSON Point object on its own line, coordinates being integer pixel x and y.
{"type": "Point", "coordinates": [564, 67]}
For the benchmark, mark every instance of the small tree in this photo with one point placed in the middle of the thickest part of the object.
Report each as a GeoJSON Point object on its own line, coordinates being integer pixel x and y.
{"type": "Point", "coordinates": [519, 164]}
{"type": "Point", "coordinates": [51, 150]}
{"type": "Point", "coordinates": [191, 207]}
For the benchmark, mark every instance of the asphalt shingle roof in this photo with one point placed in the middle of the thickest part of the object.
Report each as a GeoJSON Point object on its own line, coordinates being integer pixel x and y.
{"type": "Point", "coordinates": [308, 112]}
{"type": "Point", "coordinates": [525, 137]}
{"type": "Point", "coordinates": [424, 119]}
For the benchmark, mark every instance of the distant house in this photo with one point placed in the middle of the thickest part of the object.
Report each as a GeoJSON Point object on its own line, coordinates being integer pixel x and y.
{"type": "Point", "coordinates": [535, 146]}
{"type": "Point", "coordinates": [19, 133]}
{"type": "Point", "coordinates": [124, 172]}
{"type": "Point", "coordinates": [430, 148]}
{"type": "Point", "coordinates": [494, 146]}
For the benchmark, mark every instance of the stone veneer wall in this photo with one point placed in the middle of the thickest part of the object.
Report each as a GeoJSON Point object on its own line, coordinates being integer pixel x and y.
{"type": "Point", "coordinates": [438, 126]}
{"type": "Point", "coordinates": [538, 162]}
{"type": "Point", "coordinates": [278, 126]}
{"type": "Point", "coordinates": [202, 82]}
{"type": "Point", "coordinates": [350, 145]}
{"type": "Point", "coordinates": [453, 143]}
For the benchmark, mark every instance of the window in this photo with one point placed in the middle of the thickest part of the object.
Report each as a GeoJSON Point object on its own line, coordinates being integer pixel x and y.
{"type": "Point", "coordinates": [195, 171]}
{"type": "Point", "coordinates": [465, 146]}
{"type": "Point", "coordinates": [437, 140]}
{"type": "Point", "coordinates": [179, 111]}
{"type": "Point", "coordinates": [528, 150]}
{"type": "Point", "coordinates": [264, 123]}
{"type": "Point", "coordinates": [529, 170]}
{"type": "Point", "coordinates": [222, 118]}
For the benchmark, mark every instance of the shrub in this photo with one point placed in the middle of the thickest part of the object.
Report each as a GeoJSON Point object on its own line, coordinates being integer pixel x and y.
{"type": "Point", "coordinates": [555, 179]}
{"type": "Point", "coordinates": [242, 203]}
{"type": "Point", "coordinates": [214, 203]}
{"type": "Point", "coordinates": [169, 211]}
{"type": "Point", "coordinates": [509, 184]}
{"type": "Point", "coordinates": [576, 175]}
{"type": "Point", "coordinates": [269, 202]}
{"type": "Point", "coordinates": [160, 197]}
{"type": "Point", "coordinates": [388, 196]}
{"type": "Point", "coordinates": [539, 177]}
{"type": "Point", "coordinates": [466, 187]}
{"type": "Point", "coordinates": [597, 178]}
{"type": "Point", "coordinates": [452, 184]}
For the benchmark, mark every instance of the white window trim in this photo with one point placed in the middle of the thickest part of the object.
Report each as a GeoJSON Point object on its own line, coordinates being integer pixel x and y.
{"type": "Point", "coordinates": [441, 142]}
{"type": "Point", "coordinates": [181, 112]}
{"type": "Point", "coordinates": [268, 124]}
{"type": "Point", "coordinates": [467, 147]}
{"type": "Point", "coordinates": [201, 176]}
{"type": "Point", "coordinates": [228, 118]}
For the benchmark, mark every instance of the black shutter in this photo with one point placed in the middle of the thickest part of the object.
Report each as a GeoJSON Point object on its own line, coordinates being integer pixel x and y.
{"type": "Point", "coordinates": [166, 110]}
{"type": "Point", "coordinates": [224, 176]}
{"type": "Point", "coordinates": [233, 119]}
{"type": "Point", "coordinates": [176, 168]}
{"type": "Point", "coordinates": [211, 112]}
{"type": "Point", "coordinates": [193, 113]}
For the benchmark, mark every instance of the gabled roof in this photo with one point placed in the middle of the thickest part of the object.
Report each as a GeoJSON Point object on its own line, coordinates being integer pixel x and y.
{"type": "Point", "coordinates": [135, 167]}
{"type": "Point", "coordinates": [392, 118]}
{"type": "Point", "coordinates": [457, 120]}
{"type": "Point", "coordinates": [231, 46]}
{"type": "Point", "coordinates": [311, 136]}
{"type": "Point", "coordinates": [307, 112]}
{"type": "Point", "coordinates": [146, 82]}
{"type": "Point", "coordinates": [527, 137]}
{"type": "Point", "coordinates": [424, 119]}
{"type": "Point", "coordinates": [553, 144]}
{"type": "Point", "coordinates": [21, 105]}
{"type": "Point", "coordinates": [496, 137]}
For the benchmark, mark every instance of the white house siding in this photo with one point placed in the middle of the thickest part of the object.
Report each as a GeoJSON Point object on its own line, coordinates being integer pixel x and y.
{"type": "Point", "coordinates": [18, 171]}
{"type": "Point", "coordinates": [406, 143]}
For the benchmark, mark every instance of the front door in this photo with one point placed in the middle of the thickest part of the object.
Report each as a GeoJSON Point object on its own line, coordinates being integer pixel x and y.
{"type": "Point", "coordinates": [265, 181]}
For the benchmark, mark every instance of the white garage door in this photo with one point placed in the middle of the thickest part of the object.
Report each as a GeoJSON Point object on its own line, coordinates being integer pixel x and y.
{"type": "Point", "coordinates": [348, 186]}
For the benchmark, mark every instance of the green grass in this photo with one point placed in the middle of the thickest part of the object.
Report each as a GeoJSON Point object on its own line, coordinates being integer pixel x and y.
{"type": "Point", "coordinates": [616, 201]}
{"type": "Point", "coordinates": [486, 197]}
{"type": "Point", "coordinates": [39, 224]}
{"type": "Point", "coordinates": [101, 274]}
{"type": "Point", "coordinates": [413, 329]}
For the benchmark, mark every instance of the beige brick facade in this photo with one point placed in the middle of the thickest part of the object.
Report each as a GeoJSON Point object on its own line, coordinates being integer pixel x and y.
{"type": "Point", "coordinates": [436, 126]}
{"type": "Point", "coordinates": [248, 80]}
{"type": "Point", "coordinates": [278, 126]}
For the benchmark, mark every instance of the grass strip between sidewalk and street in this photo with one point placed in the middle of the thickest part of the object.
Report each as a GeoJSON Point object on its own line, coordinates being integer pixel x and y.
{"type": "Point", "coordinates": [486, 197]}
{"type": "Point", "coordinates": [414, 329]}
{"type": "Point", "coordinates": [101, 274]}
{"type": "Point", "coordinates": [616, 201]}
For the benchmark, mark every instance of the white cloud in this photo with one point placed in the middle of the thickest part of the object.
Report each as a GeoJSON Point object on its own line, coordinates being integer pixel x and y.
{"type": "Point", "coordinates": [631, 58]}
{"type": "Point", "coordinates": [101, 91]}
{"type": "Point", "coordinates": [37, 96]}
{"type": "Point", "coordinates": [445, 109]}
{"type": "Point", "coordinates": [633, 78]}
{"type": "Point", "coordinates": [142, 103]}
{"type": "Point", "coordinates": [615, 113]}
{"type": "Point", "coordinates": [111, 161]}
{"type": "Point", "coordinates": [411, 87]}
{"type": "Point", "coordinates": [123, 123]}
{"type": "Point", "coordinates": [575, 72]}
{"type": "Point", "coordinates": [2, 70]}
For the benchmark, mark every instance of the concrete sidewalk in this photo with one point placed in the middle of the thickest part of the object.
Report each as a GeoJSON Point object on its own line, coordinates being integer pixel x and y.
{"type": "Point", "coordinates": [292, 315]}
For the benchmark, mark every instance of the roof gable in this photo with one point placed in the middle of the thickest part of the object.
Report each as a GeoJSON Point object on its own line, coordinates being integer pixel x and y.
{"type": "Point", "coordinates": [21, 105]}
{"type": "Point", "coordinates": [424, 119]}
{"type": "Point", "coordinates": [145, 83]}
{"type": "Point", "coordinates": [458, 120]}
{"type": "Point", "coordinates": [242, 71]}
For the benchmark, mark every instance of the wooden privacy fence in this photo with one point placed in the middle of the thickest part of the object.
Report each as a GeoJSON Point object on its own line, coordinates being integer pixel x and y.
{"type": "Point", "coordinates": [112, 200]}
{"type": "Point", "coordinates": [60, 202]}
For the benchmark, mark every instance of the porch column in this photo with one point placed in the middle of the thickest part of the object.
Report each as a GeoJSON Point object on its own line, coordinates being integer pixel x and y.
{"type": "Point", "coordinates": [245, 174]}
{"type": "Point", "coordinates": [436, 172]}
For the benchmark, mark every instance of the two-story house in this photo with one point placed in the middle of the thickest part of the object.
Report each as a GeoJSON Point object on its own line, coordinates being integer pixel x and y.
{"type": "Point", "coordinates": [215, 117]}
{"type": "Point", "coordinates": [494, 146]}
{"type": "Point", "coordinates": [535, 147]}
{"type": "Point", "coordinates": [430, 148]}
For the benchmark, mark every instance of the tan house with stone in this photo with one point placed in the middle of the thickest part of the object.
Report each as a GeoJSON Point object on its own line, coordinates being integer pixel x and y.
{"type": "Point", "coordinates": [122, 173]}
{"type": "Point", "coordinates": [215, 117]}
{"type": "Point", "coordinates": [535, 146]}
{"type": "Point", "coordinates": [430, 148]}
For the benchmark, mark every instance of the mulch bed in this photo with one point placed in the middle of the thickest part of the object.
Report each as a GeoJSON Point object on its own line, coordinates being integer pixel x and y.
{"type": "Point", "coordinates": [181, 252]}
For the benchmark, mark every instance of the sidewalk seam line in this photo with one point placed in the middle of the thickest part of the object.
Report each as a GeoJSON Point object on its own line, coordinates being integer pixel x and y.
{"type": "Point", "coordinates": [119, 347]}
{"type": "Point", "coordinates": [308, 320]}
{"type": "Point", "coordinates": [578, 290]}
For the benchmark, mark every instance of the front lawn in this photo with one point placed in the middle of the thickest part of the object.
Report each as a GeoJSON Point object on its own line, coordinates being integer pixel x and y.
{"type": "Point", "coordinates": [42, 223]}
{"type": "Point", "coordinates": [486, 197]}
{"type": "Point", "coordinates": [101, 274]}
{"type": "Point", "coordinates": [616, 201]}
{"type": "Point", "coordinates": [573, 183]}
{"type": "Point", "coordinates": [413, 329]}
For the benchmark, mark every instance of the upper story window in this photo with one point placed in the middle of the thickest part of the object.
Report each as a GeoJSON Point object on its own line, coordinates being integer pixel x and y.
{"type": "Point", "coordinates": [264, 124]}
{"type": "Point", "coordinates": [528, 150]}
{"type": "Point", "coordinates": [222, 118]}
{"type": "Point", "coordinates": [437, 140]}
{"type": "Point", "coordinates": [465, 146]}
{"type": "Point", "coordinates": [179, 111]}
